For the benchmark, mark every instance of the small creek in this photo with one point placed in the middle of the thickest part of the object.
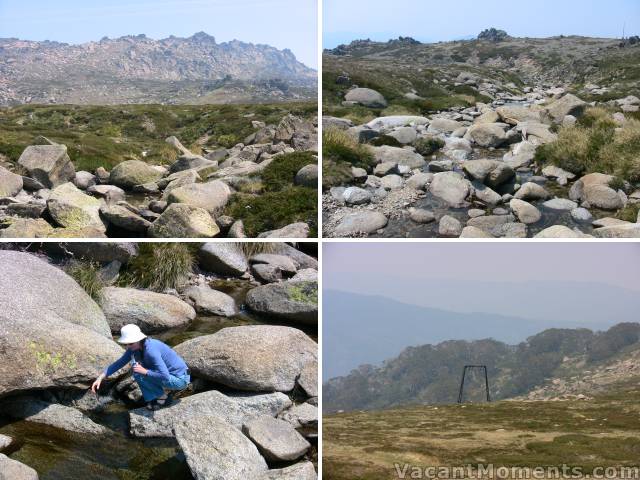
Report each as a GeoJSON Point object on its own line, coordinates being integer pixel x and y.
{"type": "Point", "coordinates": [61, 455]}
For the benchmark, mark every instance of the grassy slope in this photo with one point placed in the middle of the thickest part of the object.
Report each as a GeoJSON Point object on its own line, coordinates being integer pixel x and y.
{"type": "Point", "coordinates": [107, 135]}
{"type": "Point", "coordinates": [587, 433]}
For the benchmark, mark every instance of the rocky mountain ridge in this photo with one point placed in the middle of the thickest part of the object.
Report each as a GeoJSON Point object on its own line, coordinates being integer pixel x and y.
{"type": "Point", "coordinates": [138, 69]}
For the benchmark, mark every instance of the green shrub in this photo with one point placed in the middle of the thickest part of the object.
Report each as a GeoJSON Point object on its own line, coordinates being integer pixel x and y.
{"type": "Point", "coordinates": [274, 210]}
{"type": "Point", "coordinates": [281, 172]}
{"type": "Point", "coordinates": [339, 146]}
{"type": "Point", "coordinates": [428, 145]}
{"type": "Point", "coordinates": [228, 140]}
{"type": "Point", "coordinates": [595, 144]}
{"type": "Point", "coordinates": [629, 213]}
{"type": "Point", "coordinates": [87, 274]}
{"type": "Point", "coordinates": [159, 266]}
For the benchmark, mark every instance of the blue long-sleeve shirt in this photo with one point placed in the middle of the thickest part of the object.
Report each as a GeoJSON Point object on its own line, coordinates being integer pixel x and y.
{"type": "Point", "coordinates": [157, 357]}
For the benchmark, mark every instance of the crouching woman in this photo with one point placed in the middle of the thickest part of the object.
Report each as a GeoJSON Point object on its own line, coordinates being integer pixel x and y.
{"type": "Point", "coordinates": [156, 367]}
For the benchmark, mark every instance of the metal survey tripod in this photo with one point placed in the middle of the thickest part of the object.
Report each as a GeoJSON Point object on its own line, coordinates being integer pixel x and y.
{"type": "Point", "coordinates": [464, 374]}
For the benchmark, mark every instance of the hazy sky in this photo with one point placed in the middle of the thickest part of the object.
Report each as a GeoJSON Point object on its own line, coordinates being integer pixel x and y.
{"type": "Point", "coordinates": [436, 20]}
{"type": "Point", "coordinates": [616, 264]}
{"type": "Point", "coordinates": [281, 23]}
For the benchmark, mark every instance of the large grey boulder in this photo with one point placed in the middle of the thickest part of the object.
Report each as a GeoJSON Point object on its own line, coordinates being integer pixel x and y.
{"type": "Point", "coordinates": [216, 450]}
{"type": "Point", "coordinates": [184, 221]}
{"type": "Point", "coordinates": [223, 259]}
{"type": "Point", "coordinates": [29, 283]}
{"type": "Point", "coordinates": [59, 416]}
{"type": "Point", "coordinates": [102, 252]}
{"type": "Point", "coordinates": [524, 211]}
{"type": "Point", "coordinates": [211, 196]}
{"type": "Point", "coordinates": [602, 196]}
{"type": "Point", "coordinates": [300, 415]}
{"type": "Point", "coordinates": [252, 357]}
{"type": "Point", "coordinates": [532, 191]}
{"type": "Point", "coordinates": [392, 121]}
{"type": "Point", "coordinates": [276, 439]}
{"type": "Point", "coordinates": [301, 259]}
{"type": "Point", "coordinates": [299, 471]}
{"type": "Point", "coordinates": [151, 311]}
{"type": "Point", "coordinates": [308, 379]}
{"type": "Point", "coordinates": [558, 231]}
{"type": "Point", "coordinates": [293, 230]}
{"type": "Point", "coordinates": [14, 470]}
{"type": "Point", "coordinates": [631, 230]}
{"type": "Point", "coordinates": [52, 334]}
{"type": "Point", "coordinates": [130, 173]}
{"type": "Point", "coordinates": [71, 208]}
{"type": "Point", "coordinates": [307, 176]}
{"type": "Point", "coordinates": [486, 134]}
{"type": "Point", "coordinates": [124, 218]}
{"type": "Point", "coordinates": [399, 156]}
{"type": "Point", "coordinates": [490, 172]}
{"type": "Point", "coordinates": [235, 410]}
{"type": "Point", "coordinates": [514, 114]}
{"type": "Point", "coordinates": [360, 222]}
{"type": "Point", "coordinates": [210, 302]}
{"type": "Point", "coordinates": [450, 187]}
{"type": "Point", "coordinates": [48, 164]}
{"type": "Point", "coordinates": [567, 105]}
{"type": "Point", "coordinates": [367, 97]}
{"type": "Point", "coordinates": [291, 301]}
{"type": "Point", "coordinates": [10, 183]}
{"type": "Point", "coordinates": [27, 228]}
{"type": "Point", "coordinates": [110, 193]}
{"type": "Point", "coordinates": [443, 125]}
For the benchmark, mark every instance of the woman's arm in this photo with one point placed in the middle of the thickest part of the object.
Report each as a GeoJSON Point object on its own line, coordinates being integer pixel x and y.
{"type": "Point", "coordinates": [118, 364]}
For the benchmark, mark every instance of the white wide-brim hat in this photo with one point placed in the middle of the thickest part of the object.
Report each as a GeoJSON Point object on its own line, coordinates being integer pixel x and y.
{"type": "Point", "coordinates": [131, 334]}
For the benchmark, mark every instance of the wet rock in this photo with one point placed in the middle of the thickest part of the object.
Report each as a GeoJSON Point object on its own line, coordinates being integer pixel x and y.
{"type": "Point", "coordinates": [524, 211]}
{"type": "Point", "coordinates": [419, 181]}
{"type": "Point", "coordinates": [510, 230]}
{"type": "Point", "coordinates": [532, 191]}
{"type": "Point", "coordinates": [210, 196]}
{"type": "Point", "coordinates": [235, 410]}
{"type": "Point", "coordinates": [420, 215]}
{"type": "Point", "coordinates": [130, 173]}
{"type": "Point", "coordinates": [59, 416]}
{"type": "Point", "coordinates": [551, 171]}
{"type": "Point", "coordinates": [71, 208]}
{"type": "Point", "coordinates": [474, 232]}
{"type": "Point", "coordinates": [151, 311]}
{"type": "Point", "coordinates": [449, 227]}
{"type": "Point", "coordinates": [10, 183]}
{"type": "Point", "coordinates": [366, 97]}
{"type": "Point", "coordinates": [360, 222]}
{"type": "Point", "coordinates": [124, 218]}
{"type": "Point", "coordinates": [223, 258]}
{"type": "Point", "coordinates": [295, 302]}
{"type": "Point", "coordinates": [184, 221]}
{"type": "Point", "coordinates": [581, 214]}
{"type": "Point", "coordinates": [293, 230]}
{"type": "Point", "coordinates": [450, 187]}
{"type": "Point", "coordinates": [48, 164]}
{"type": "Point", "coordinates": [558, 231]}
{"type": "Point", "coordinates": [489, 222]}
{"type": "Point", "coordinates": [441, 166]}
{"type": "Point", "coordinates": [14, 470]}
{"type": "Point", "coordinates": [276, 439]}
{"type": "Point", "coordinates": [216, 450]}
{"type": "Point", "coordinates": [560, 204]}
{"type": "Point", "coordinates": [490, 172]}
{"type": "Point", "coordinates": [211, 302]}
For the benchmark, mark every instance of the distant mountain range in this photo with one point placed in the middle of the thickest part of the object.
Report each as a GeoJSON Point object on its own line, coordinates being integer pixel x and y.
{"type": "Point", "coordinates": [367, 329]}
{"type": "Point", "coordinates": [137, 69]}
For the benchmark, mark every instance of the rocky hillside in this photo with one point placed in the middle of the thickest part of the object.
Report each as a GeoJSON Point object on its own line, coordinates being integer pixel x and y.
{"type": "Point", "coordinates": [137, 69]}
{"type": "Point", "coordinates": [552, 363]}
{"type": "Point", "coordinates": [243, 317]}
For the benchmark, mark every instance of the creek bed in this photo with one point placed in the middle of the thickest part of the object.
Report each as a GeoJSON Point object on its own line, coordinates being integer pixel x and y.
{"type": "Point", "coordinates": [61, 455]}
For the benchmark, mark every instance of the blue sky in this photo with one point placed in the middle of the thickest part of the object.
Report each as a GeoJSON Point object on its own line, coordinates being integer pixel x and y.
{"type": "Point", "coordinates": [281, 23]}
{"type": "Point", "coordinates": [437, 20]}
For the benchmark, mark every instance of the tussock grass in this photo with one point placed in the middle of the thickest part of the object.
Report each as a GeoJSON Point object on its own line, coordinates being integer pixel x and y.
{"type": "Point", "coordinates": [428, 145]}
{"type": "Point", "coordinates": [339, 146]}
{"type": "Point", "coordinates": [87, 275]}
{"type": "Point", "coordinates": [159, 266]}
{"type": "Point", "coordinates": [281, 172]}
{"type": "Point", "coordinates": [595, 144]}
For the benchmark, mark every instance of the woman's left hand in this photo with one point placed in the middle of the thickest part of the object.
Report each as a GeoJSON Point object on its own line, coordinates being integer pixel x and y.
{"type": "Point", "coordinates": [140, 369]}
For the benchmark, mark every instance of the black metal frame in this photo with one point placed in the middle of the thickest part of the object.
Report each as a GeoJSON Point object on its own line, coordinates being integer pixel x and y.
{"type": "Point", "coordinates": [464, 374]}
